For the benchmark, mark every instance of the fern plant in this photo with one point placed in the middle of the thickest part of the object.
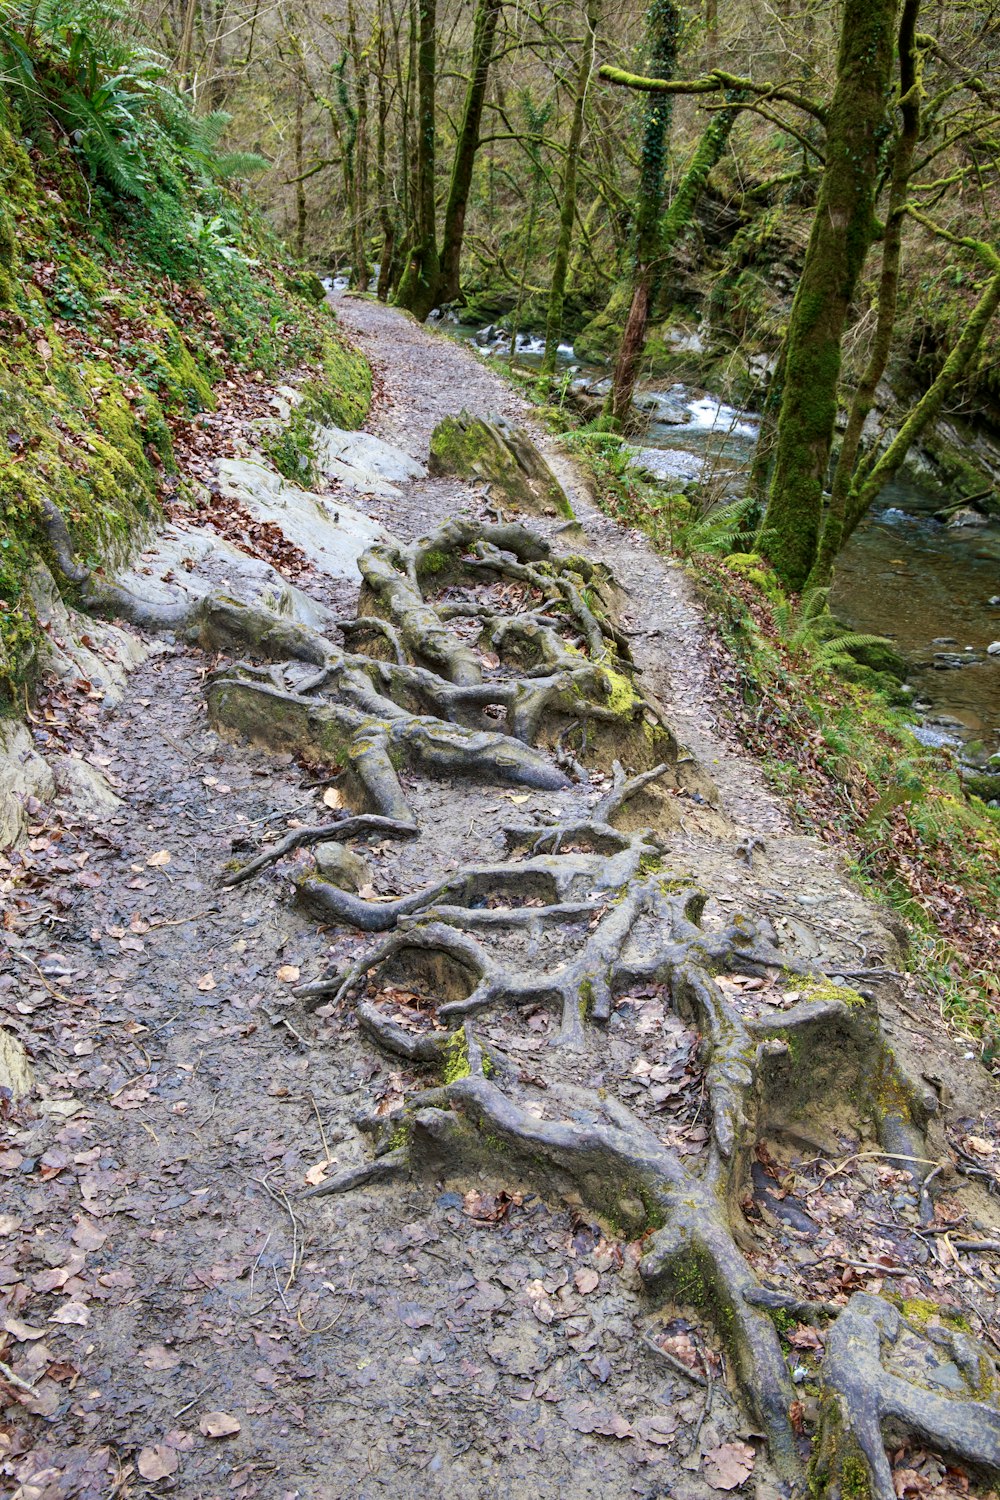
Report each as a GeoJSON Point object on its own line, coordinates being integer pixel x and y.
{"type": "Point", "coordinates": [718, 531]}
{"type": "Point", "coordinates": [74, 75]}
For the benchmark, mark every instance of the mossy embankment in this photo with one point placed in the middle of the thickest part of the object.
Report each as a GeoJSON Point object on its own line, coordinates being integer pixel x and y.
{"type": "Point", "coordinates": [121, 321]}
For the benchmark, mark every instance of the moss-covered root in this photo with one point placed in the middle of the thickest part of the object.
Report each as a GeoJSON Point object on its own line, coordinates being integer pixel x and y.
{"type": "Point", "coordinates": [369, 748]}
{"type": "Point", "coordinates": [492, 451]}
{"type": "Point", "coordinates": [867, 1397]}
{"type": "Point", "coordinates": [566, 678]}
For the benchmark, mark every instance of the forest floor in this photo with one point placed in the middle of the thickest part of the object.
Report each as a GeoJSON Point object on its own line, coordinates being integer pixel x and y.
{"type": "Point", "coordinates": [181, 1320]}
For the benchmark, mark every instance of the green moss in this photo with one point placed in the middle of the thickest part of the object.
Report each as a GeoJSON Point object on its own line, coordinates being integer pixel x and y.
{"type": "Point", "coordinates": [456, 1057]}
{"type": "Point", "coordinates": [622, 699]}
{"type": "Point", "coordinates": [824, 989]}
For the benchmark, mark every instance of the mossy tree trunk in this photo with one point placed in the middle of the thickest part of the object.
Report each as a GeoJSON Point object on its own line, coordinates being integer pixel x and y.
{"type": "Point", "coordinates": [360, 60]}
{"type": "Point", "coordinates": [484, 31]}
{"type": "Point", "coordinates": [676, 219]}
{"type": "Point", "coordinates": [417, 289]}
{"type": "Point", "coordinates": [888, 294]}
{"type": "Point", "coordinates": [664, 28]}
{"type": "Point", "coordinates": [842, 232]}
{"type": "Point", "coordinates": [875, 472]}
{"type": "Point", "coordinates": [567, 208]}
{"type": "Point", "coordinates": [386, 215]}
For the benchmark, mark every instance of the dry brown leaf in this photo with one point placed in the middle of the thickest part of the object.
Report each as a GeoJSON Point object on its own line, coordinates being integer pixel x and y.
{"type": "Point", "coordinates": [23, 1332]}
{"type": "Point", "coordinates": [157, 1357]}
{"type": "Point", "coordinates": [157, 1462]}
{"type": "Point", "coordinates": [288, 973]}
{"type": "Point", "coordinates": [317, 1174]}
{"type": "Point", "coordinates": [207, 982]}
{"type": "Point", "coordinates": [218, 1424]}
{"type": "Point", "coordinates": [727, 1466]}
{"type": "Point", "coordinates": [72, 1312]}
{"type": "Point", "coordinates": [586, 1280]}
{"type": "Point", "coordinates": [87, 1235]}
{"type": "Point", "coordinates": [158, 860]}
{"type": "Point", "coordinates": [333, 798]}
{"type": "Point", "coordinates": [979, 1145]}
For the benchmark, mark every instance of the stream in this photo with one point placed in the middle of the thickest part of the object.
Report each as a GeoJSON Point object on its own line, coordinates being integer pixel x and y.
{"type": "Point", "coordinates": [927, 586]}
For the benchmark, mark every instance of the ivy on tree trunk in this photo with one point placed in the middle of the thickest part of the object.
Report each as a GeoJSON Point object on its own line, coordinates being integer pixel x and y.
{"type": "Point", "coordinates": [842, 233]}
{"type": "Point", "coordinates": [418, 285]}
{"type": "Point", "coordinates": [484, 30]}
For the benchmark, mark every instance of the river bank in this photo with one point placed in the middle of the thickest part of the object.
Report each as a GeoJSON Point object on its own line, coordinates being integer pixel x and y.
{"type": "Point", "coordinates": [910, 573]}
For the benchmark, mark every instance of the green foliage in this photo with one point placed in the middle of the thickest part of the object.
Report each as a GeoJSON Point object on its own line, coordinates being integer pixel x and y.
{"type": "Point", "coordinates": [718, 531]}
{"type": "Point", "coordinates": [107, 181]}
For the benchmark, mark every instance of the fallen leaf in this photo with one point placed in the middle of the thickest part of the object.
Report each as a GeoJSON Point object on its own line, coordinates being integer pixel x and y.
{"type": "Point", "coordinates": [157, 1462]}
{"type": "Point", "coordinates": [727, 1466]}
{"type": "Point", "coordinates": [805, 1337]}
{"type": "Point", "coordinates": [333, 798]}
{"type": "Point", "coordinates": [88, 1236]}
{"type": "Point", "coordinates": [158, 860]}
{"type": "Point", "coordinates": [586, 1280]}
{"type": "Point", "coordinates": [156, 1357]}
{"type": "Point", "coordinates": [72, 1312]}
{"type": "Point", "coordinates": [317, 1174]}
{"type": "Point", "coordinates": [979, 1145]}
{"type": "Point", "coordinates": [207, 982]}
{"type": "Point", "coordinates": [22, 1331]}
{"type": "Point", "coordinates": [218, 1424]}
{"type": "Point", "coordinates": [489, 1208]}
{"type": "Point", "coordinates": [288, 973]}
{"type": "Point", "coordinates": [583, 1417]}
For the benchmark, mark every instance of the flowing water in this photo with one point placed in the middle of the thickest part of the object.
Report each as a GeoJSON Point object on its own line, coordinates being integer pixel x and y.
{"type": "Point", "coordinates": [903, 575]}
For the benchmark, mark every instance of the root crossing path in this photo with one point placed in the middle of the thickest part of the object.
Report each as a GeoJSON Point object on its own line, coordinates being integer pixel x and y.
{"type": "Point", "coordinates": [454, 1076]}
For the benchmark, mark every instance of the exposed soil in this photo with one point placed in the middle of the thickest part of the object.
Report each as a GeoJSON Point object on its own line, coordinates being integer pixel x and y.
{"type": "Point", "coordinates": [431, 1336]}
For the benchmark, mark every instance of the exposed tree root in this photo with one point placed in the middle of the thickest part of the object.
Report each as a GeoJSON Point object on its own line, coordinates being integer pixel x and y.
{"type": "Point", "coordinates": [462, 629]}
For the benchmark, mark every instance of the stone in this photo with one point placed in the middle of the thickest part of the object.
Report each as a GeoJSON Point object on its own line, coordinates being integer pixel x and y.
{"type": "Point", "coordinates": [493, 451]}
{"type": "Point", "coordinates": [16, 1078]}
{"type": "Point", "coordinates": [341, 866]}
{"type": "Point", "coordinates": [328, 532]}
{"type": "Point", "coordinates": [363, 462]}
{"type": "Point", "coordinates": [84, 786]}
{"type": "Point", "coordinates": [667, 465]}
{"type": "Point", "coordinates": [197, 560]}
{"type": "Point", "coordinates": [993, 649]}
{"type": "Point", "coordinates": [80, 646]}
{"type": "Point", "coordinates": [966, 516]}
{"type": "Point", "coordinates": [670, 408]}
{"type": "Point", "coordinates": [23, 774]}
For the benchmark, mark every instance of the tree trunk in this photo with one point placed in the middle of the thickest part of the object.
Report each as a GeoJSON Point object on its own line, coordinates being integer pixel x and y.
{"type": "Point", "coordinates": [892, 245]}
{"type": "Point", "coordinates": [484, 30]}
{"type": "Point", "coordinates": [387, 221]}
{"type": "Point", "coordinates": [359, 194]}
{"type": "Point", "coordinates": [300, 186]}
{"type": "Point", "coordinates": [664, 25]}
{"type": "Point", "coordinates": [418, 286]}
{"type": "Point", "coordinates": [567, 213]}
{"type": "Point", "coordinates": [874, 475]}
{"type": "Point", "coordinates": [675, 221]}
{"type": "Point", "coordinates": [842, 233]}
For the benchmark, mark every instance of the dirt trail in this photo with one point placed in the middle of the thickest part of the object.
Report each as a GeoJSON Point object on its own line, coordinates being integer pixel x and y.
{"type": "Point", "coordinates": [455, 1338]}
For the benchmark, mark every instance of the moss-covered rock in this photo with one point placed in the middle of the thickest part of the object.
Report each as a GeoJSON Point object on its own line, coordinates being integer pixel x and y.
{"type": "Point", "coordinates": [492, 451]}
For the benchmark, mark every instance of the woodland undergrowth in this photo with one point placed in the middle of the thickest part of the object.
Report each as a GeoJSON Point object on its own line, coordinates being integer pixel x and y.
{"type": "Point", "coordinates": [137, 295]}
